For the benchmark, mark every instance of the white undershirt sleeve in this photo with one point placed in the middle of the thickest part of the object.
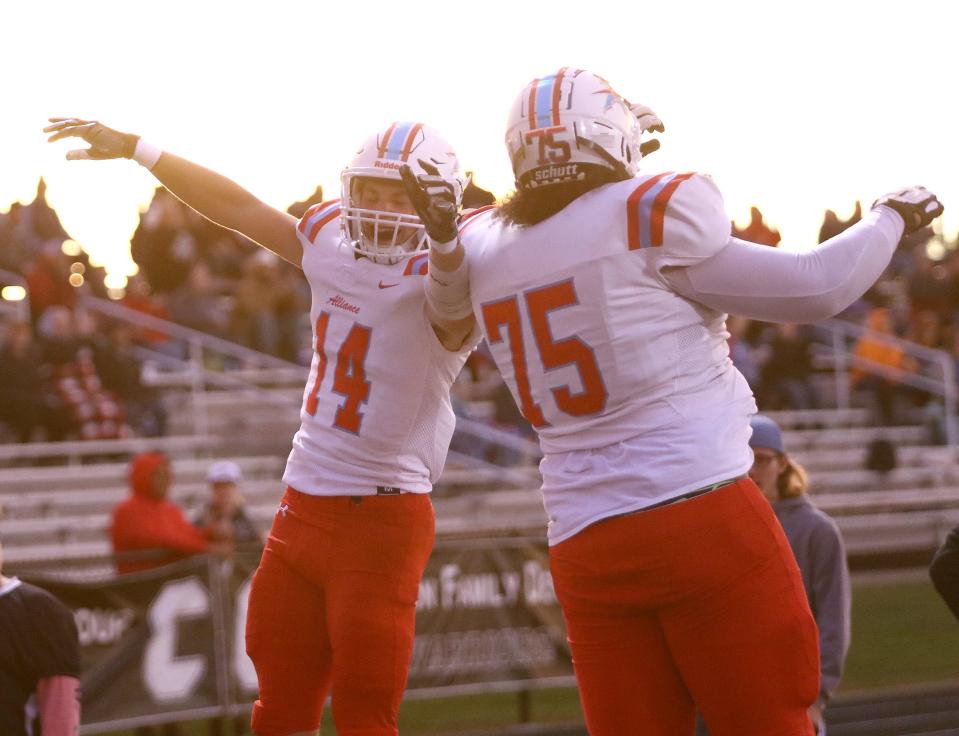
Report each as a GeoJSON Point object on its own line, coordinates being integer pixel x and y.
{"type": "Point", "coordinates": [448, 292]}
{"type": "Point", "coordinates": [769, 284]}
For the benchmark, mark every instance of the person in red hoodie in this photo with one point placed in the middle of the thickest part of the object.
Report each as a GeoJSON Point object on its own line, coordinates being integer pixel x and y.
{"type": "Point", "coordinates": [148, 520]}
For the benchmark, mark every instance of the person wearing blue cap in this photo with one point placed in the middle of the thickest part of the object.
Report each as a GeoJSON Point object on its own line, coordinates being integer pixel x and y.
{"type": "Point", "coordinates": [817, 544]}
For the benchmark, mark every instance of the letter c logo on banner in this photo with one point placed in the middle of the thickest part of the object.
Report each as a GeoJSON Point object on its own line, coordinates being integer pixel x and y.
{"type": "Point", "coordinates": [166, 676]}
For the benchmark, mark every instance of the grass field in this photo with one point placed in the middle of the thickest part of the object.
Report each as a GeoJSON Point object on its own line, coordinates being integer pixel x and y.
{"type": "Point", "coordinates": [902, 634]}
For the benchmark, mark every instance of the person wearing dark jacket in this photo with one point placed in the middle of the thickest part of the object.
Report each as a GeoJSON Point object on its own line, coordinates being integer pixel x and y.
{"type": "Point", "coordinates": [944, 571]}
{"type": "Point", "coordinates": [226, 505]}
{"type": "Point", "coordinates": [817, 544]}
{"type": "Point", "coordinates": [148, 520]}
{"type": "Point", "coordinates": [39, 657]}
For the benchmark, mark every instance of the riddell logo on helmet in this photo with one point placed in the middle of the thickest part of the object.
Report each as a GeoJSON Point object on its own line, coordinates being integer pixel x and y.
{"type": "Point", "coordinates": [386, 164]}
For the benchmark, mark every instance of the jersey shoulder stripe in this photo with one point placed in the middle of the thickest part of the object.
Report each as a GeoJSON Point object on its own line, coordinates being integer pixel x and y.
{"type": "Point", "coordinates": [319, 215]}
{"type": "Point", "coordinates": [646, 209]}
{"type": "Point", "coordinates": [470, 217]}
{"type": "Point", "coordinates": [417, 265]}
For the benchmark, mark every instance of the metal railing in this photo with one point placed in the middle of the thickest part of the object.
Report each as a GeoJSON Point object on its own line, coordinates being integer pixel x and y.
{"type": "Point", "coordinates": [842, 338]}
{"type": "Point", "coordinates": [251, 371]}
{"type": "Point", "coordinates": [192, 370]}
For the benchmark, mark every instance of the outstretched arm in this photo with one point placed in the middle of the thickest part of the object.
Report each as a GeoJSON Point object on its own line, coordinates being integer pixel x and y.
{"type": "Point", "coordinates": [764, 283]}
{"type": "Point", "coordinates": [212, 195]}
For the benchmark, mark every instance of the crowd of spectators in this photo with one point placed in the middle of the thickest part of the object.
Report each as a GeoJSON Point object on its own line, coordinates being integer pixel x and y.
{"type": "Point", "coordinates": [916, 300]}
{"type": "Point", "coordinates": [69, 374]}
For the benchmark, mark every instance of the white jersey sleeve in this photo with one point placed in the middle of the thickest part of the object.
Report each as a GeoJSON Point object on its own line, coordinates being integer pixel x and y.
{"type": "Point", "coordinates": [764, 283]}
{"type": "Point", "coordinates": [683, 216]}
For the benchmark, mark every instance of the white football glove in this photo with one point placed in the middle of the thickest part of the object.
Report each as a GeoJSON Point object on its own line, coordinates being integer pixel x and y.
{"type": "Point", "coordinates": [104, 142]}
{"type": "Point", "coordinates": [648, 121]}
{"type": "Point", "coordinates": [917, 206]}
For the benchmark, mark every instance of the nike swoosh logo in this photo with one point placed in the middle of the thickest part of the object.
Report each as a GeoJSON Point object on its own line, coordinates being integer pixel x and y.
{"type": "Point", "coordinates": [387, 286]}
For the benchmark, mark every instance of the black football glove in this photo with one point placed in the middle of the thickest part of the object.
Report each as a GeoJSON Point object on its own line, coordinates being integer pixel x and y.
{"type": "Point", "coordinates": [104, 142]}
{"type": "Point", "coordinates": [434, 200]}
{"type": "Point", "coordinates": [917, 206]}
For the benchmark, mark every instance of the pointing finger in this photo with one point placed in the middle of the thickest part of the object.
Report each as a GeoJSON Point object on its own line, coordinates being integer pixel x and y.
{"type": "Point", "coordinates": [60, 123]}
{"type": "Point", "coordinates": [68, 133]}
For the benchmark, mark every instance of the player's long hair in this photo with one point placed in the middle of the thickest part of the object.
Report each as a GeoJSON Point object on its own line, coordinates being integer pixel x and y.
{"type": "Point", "coordinates": [793, 481]}
{"type": "Point", "coordinates": [526, 207]}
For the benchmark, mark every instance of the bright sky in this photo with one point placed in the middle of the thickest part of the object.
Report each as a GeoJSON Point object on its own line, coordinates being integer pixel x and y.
{"type": "Point", "coordinates": [795, 107]}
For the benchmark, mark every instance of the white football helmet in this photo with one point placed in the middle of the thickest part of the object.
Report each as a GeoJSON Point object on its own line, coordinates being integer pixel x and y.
{"type": "Point", "coordinates": [387, 237]}
{"type": "Point", "coordinates": [565, 123]}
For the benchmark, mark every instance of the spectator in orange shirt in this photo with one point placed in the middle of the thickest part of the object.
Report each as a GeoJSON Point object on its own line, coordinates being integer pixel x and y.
{"type": "Point", "coordinates": [883, 354]}
{"type": "Point", "coordinates": [148, 520]}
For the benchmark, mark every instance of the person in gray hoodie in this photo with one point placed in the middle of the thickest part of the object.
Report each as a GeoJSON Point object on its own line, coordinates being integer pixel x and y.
{"type": "Point", "coordinates": [818, 546]}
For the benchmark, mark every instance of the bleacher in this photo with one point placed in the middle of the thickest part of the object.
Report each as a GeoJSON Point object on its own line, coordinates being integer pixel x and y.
{"type": "Point", "coordinates": [61, 509]}
{"type": "Point", "coordinates": [56, 498]}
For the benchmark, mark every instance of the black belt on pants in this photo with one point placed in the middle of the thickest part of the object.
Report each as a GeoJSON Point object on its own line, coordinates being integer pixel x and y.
{"type": "Point", "coordinates": [380, 491]}
{"type": "Point", "coordinates": [689, 495]}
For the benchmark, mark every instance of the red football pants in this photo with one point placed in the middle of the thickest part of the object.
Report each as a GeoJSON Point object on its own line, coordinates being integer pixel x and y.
{"type": "Point", "coordinates": [333, 602]}
{"type": "Point", "coordinates": [698, 604]}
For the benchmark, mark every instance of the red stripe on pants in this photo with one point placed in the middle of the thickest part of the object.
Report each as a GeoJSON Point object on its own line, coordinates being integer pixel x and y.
{"type": "Point", "coordinates": [698, 604]}
{"type": "Point", "coordinates": [333, 603]}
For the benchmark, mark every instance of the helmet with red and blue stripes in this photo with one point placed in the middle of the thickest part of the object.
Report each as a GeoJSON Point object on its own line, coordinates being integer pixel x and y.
{"type": "Point", "coordinates": [563, 124]}
{"type": "Point", "coordinates": [390, 236]}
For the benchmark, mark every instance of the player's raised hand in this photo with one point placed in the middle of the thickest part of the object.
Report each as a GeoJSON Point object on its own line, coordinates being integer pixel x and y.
{"type": "Point", "coordinates": [434, 200]}
{"type": "Point", "coordinates": [917, 206]}
{"type": "Point", "coordinates": [104, 142]}
{"type": "Point", "coordinates": [648, 121]}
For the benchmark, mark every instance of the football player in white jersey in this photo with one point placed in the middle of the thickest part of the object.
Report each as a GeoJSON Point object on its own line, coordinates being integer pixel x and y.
{"type": "Point", "coordinates": [603, 295]}
{"type": "Point", "coordinates": [333, 600]}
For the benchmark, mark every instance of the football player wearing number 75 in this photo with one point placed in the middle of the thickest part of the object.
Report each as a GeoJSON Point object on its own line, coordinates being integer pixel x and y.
{"type": "Point", "coordinates": [603, 293]}
{"type": "Point", "coordinates": [333, 601]}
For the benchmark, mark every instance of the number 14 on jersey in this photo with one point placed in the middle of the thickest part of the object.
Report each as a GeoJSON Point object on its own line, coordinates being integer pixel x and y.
{"type": "Point", "coordinates": [349, 374]}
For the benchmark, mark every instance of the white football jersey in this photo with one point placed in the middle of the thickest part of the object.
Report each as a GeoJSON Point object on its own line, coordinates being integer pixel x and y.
{"type": "Point", "coordinates": [628, 384]}
{"type": "Point", "coordinates": [376, 408]}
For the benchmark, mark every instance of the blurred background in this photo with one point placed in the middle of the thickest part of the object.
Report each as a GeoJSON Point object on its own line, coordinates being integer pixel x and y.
{"type": "Point", "coordinates": [129, 324]}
